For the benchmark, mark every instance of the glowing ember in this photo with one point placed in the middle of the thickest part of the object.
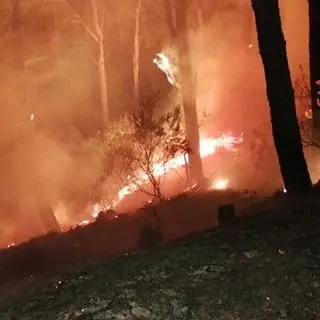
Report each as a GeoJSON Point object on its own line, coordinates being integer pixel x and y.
{"type": "Point", "coordinates": [308, 114]}
{"type": "Point", "coordinates": [221, 184]}
{"type": "Point", "coordinates": [84, 223]}
{"type": "Point", "coordinates": [11, 245]}
{"type": "Point", "coordinates": [96, 209]}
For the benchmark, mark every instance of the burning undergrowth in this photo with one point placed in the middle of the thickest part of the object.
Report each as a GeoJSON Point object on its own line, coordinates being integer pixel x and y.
{"type": "Point", "coordinates": [141, 155]}
{"type": "Point", "coordinates": [48, 156]}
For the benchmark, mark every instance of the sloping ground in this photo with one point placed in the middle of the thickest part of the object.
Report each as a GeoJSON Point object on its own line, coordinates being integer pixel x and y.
{"type": "Point", "coordinates": [261, 272]}
{"type": "Point", "coordinates": [107, 238]}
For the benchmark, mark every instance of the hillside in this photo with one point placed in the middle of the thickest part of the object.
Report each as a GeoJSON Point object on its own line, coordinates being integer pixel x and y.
{"type": "Point", "coordinates": [263, 270]}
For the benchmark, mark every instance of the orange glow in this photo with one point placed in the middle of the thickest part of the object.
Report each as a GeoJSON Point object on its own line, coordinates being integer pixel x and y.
{"type": "Point", "coordinates": [84, 223]}
{"type": "Point", "coordinates": [308, 114]}
{"type": "Point", "coordinates": [164, 64]}
{"type": "Point", "coordinates": [11, 245]}
{"type": "Point", "coordinates": [208, 146]}
{"type": "Point", "coordinates": [221, 184]}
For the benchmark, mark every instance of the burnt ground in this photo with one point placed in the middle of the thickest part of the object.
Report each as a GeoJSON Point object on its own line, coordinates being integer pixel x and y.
{"type": "Point", "coordinates": [263, 268]}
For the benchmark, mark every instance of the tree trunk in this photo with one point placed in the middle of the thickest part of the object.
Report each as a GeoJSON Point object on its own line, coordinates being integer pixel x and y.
{"type": "Point", "coordinates": [103, 83]}
{"type": "Point", "coordinates": [136, 52]}
{"type": "Point", "coordinates": [200, 13]}
{"type": "Point", "coordinates": [179, 32]}
{"type": "Point", "coordinates": [280, 93]}
{"type": "Point", "coordinates": [56, 41]}
{"type": "Point", "coordinates": [17, 34]}
{"type": "Point", "coordinates": [99, 32]}
{"type": "Point", "coordinates": [168, 9]}
{"type": "Point", "coordinates": [314, 60]}
{"type": "Point", "coordinates": [19, 59]}
{"type": "Point", "coordinates": [50, 221]}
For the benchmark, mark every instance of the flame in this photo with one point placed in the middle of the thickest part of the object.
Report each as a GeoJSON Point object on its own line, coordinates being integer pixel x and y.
{"type": "Point", "coordinates": [221, 184]}
{"type": "Point", "coordinates": [308, 113]}
{"type": "Point", "coordinates": [208, 146]}
{"type": "Point", "coordinates": [84, 223]}
{"type": "Point", "coordinates": [164, 64]}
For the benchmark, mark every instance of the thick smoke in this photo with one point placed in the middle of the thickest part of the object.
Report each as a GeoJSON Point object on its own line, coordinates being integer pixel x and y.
{"type": "Point", "coordinates": [47, 115]}
{"type": "Point", "coordinates": [231, 86]}
{"type": "Point", "coordinates": [46, 161]}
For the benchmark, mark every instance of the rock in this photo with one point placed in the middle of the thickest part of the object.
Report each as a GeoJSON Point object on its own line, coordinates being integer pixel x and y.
{"type": "Point", "coordinates": [224, 247]}
{"type": "Point", "coordinates": [283, 314]}
{"type": "Point", "coordinates": [123, 316]}
{"type": "Point", "coordinates": [169, 292]}
{"type": "Point", "coordinates": [179, 311]}
{"type": "Point", "coordinates": [226, 215]}
{"type": "Point", "coordinates": [140, 312]}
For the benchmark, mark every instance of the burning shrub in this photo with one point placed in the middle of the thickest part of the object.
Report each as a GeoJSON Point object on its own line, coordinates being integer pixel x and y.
{"type": "Point", "coordinates": [142, 147]}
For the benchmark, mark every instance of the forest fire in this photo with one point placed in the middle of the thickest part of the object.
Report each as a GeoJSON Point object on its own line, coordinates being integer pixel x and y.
{"type": "Point", "coordinates": [208, 146]}
{"type": "Point", "coordinates": [221, 184]}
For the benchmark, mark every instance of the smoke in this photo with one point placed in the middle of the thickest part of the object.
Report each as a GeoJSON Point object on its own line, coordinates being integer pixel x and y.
{"type": "Point", "coordinates": [231, 86]}
{"type": "Point", "coordinates": [45, 159]}
{"type": "Point", "coordinates": [48, 162]}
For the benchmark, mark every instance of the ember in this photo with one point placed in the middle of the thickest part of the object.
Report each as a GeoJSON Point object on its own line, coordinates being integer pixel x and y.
{"type": "Point", "coordinates": [221, 184]}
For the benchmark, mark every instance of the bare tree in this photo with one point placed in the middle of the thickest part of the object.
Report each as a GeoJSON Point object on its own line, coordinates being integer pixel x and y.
{"type": "Point", "coordinates": [158, 141]}
{"type": "Point", "coordinates": [280, 93]}
{"type": "Point", "coordinates": [97, 34]}
{"type": "Point", "coordinates": [144, 147]}
{"type": "Point", "coordinates": [136, 50]}
{"type": "Point", "coordinates": [16, 36]}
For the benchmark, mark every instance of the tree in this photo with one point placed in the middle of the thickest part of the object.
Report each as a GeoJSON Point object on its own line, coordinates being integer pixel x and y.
{"type": "Point", "coordinates": [280, 94]}
{"type": "Point", "coordinates": [176, 17]}
{"type": "Point", "coordinates": [142, 147]}
{"type": "Point", "coordinates": [136, 50]}
{"type": "Point", "coordinates": [97, 34]}
{"type": "Point", "coordinates": [314, 61]}
{"type": "Point", "coordinates": [18, 54]}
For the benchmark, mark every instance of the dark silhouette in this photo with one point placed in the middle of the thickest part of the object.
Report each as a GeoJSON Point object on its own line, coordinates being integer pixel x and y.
{"type": "Point", "coordinates": [280, 93]}
{"type": "Point", "coordinates": [314, 59]}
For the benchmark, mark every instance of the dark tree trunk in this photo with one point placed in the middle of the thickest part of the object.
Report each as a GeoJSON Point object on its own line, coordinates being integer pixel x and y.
{"type": "Point", "coordinates": [179, 32]}
{"type": "Point", "coordinates": [280, 93]}
{"type": "Point", "coordinates": [314, 58]}
{"type": "Point", "coordinates": [188, 93]}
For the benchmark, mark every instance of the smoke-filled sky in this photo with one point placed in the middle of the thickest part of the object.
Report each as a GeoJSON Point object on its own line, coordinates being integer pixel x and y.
{"type": "Point", "coordinates": [49, 69]}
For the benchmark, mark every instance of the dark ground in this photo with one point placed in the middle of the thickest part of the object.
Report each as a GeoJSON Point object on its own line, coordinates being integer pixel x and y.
{"type": "Point", "coordinates": [266, 268]}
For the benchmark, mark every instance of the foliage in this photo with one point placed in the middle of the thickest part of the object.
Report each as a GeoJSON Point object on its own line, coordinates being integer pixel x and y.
{"type": "Point", "coordinates": [138, 147]}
